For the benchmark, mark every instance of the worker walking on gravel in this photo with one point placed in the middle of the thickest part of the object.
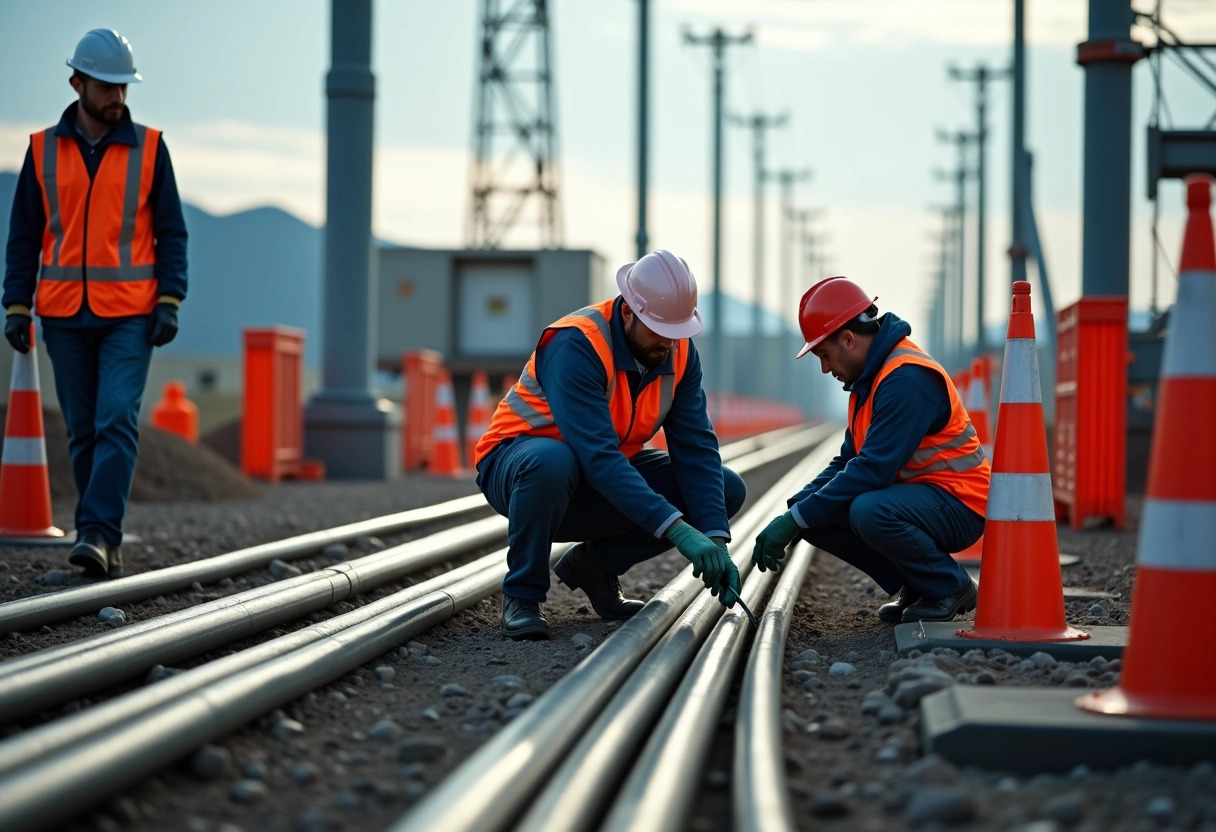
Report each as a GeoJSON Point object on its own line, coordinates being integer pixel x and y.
{"type": "Point", "coordinates": [910, 484]}
{"type": "Point", "coordinates": [563, 458]}
{"type": "Point", "coordinates": [97, 247]}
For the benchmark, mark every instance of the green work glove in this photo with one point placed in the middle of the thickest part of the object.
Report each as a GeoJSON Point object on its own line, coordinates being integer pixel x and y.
{"type": "Point", "coordinates": [771, 542]}
{"type": "Point", "coordinates": [710, 560]}
{"type": "Point", "coordinates": [729, 587]}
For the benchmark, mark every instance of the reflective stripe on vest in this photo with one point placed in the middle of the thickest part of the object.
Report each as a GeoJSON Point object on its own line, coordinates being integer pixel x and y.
{"type": "Point", "coordinates": [109, 215]}
{"type": "Point", "coordinates": [525, 408]}
{"type": "Point", "coordinates": [951, 458]}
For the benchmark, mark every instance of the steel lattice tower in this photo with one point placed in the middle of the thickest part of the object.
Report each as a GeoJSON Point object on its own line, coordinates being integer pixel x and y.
{"type": "Point", "coordinates": [515, 163]}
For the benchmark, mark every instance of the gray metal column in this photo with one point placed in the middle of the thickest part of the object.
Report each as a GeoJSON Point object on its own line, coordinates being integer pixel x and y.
{"type": "Point", "coordinates": [1017, 245]}
{"type": "Point", "coordinates": [356, 433]}
{"type": "Point", "coordinates": [643, 239]}
{"type": "Point", "coordinates": [1107, 59]}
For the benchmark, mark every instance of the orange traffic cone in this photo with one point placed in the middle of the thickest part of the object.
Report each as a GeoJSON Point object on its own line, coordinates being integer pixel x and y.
{"type": "Point", "coordinates": [1021, 589]}
{"type": "Point", "coordinates": [445, 448]}
{"type": "Point", "coordinates": [479, 413]}
{"type": "Point", "coordinates": [176, 414]}
{"type": "Point", "coordinates": [25, 483]}
{"type": "Point", "coordinates": [976, 401]}
{"type": "Point", "coordinates": [1169, 666]}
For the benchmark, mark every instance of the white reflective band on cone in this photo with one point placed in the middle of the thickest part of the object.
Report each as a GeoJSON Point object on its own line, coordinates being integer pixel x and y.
{"type": "Point", "coordinates": [1188, 350]}
{"type": "Point", "coordinates": [24, 451]}
{"type": "Point", "coordinates": [25, 372]}
{"type": "Point", "coordinates": [1020, 497]}
{"type": "Point", "coordinates": [445, 432]}
{"type": "Point", "coordinates": [1020, 376]}
{"type": "Point", "coordinates": [1178, 535]}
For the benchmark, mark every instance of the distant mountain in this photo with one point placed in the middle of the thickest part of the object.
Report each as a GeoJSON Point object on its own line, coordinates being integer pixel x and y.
{"type": "Point", "coordinates": [254, 268]}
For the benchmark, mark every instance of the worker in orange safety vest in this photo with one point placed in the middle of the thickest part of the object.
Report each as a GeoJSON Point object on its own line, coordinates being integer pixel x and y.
{"type": "Point", "coordinates": [97, 248]}
{"type": "Point", "coordinates": [564, 456]}
{"type": "Point", "coordinates": [910, 484]}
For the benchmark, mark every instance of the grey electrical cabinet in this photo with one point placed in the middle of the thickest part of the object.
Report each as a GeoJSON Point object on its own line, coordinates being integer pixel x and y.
{"type": "Point", "coordinates": [482, 309]}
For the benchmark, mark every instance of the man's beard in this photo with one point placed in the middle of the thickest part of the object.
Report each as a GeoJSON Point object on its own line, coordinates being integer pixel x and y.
{"type": "Point", "coordinates": [104, 116]}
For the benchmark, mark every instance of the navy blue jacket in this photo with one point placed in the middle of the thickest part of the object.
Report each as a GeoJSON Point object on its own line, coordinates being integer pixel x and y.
{"type": "Point", "coordinates": [28, 221]}
{"type": "Point", "coordinates": [911, 404]}
{"type": "Point", "coordinates": [572, 376]}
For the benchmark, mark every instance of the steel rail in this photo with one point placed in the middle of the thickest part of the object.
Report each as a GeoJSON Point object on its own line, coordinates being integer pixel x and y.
{"type": "Point", "coordinates": [492, 787]}
{"type": "Point", "coordinates": [41, 794]}
{"type": "Point", "coordinates": [50, 787]}
{"type": "Point", "coordinates": [761, 793]}
{"type": "Point", "coordinates": [661, 785]}
{"type": "Point", "coordinates": [28, 613]}
{"type": "Point", "coordinates": [577, 793]}
{"type": "Point", "coordinates": [25, 748]}
{"type": "Point", "coordinates": [33, 683]}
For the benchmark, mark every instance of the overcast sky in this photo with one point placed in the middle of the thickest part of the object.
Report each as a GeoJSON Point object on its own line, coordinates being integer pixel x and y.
{"type": "Point", "coordinates": [238, 89]}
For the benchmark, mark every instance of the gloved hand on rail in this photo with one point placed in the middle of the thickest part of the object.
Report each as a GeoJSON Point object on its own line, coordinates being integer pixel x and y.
{"type": "Point", "coordinates": [772, 540]}
{"type": "Point", "coordinates": [17, 328]}
{"type": "Point", "coordinates": [728, 588]}
{"type": "Point", "coordinates": [710, 561]}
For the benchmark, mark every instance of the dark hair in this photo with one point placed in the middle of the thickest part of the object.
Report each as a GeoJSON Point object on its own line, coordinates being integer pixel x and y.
{"type": "Point", "coordinates": [860, 327]}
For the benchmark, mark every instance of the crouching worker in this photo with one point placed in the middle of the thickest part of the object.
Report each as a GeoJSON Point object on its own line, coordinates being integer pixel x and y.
{"type": "Point", "coordinates": [910, 484]}
{"type": "Point", "coordinates": [563, 459]}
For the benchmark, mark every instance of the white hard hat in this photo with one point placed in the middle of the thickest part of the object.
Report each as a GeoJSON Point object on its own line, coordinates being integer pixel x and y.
{"type": "Point", "coordinates": [661, 290]}
{"type": "Point", "coordinates": [107, 56]}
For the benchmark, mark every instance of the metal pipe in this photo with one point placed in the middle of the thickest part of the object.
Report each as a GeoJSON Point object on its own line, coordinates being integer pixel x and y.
{"type": "Point", "coordinates": [575, 794]}
{"type": "Point", "coordinates": [493, 785]}
{"type": "Point", "coordinates": [661, 786]}
{"type": "Point", "coordinates": [28, 613]}
{"type": "Point", "coordinates": [28, 746]}
{"type": "Point", "coordinates": [35, 684]}
{"type": "Point", "coordinates": [761, 795]}
{"type": "Point", "coordinates": [44, 793]}
{"type": "Point", "coordinates": [31, 683]}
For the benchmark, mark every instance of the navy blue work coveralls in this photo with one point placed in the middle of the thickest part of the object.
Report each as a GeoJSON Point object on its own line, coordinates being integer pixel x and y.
{"type": "Point", "coordinates": [101, 364]}
{"type": "Point", "coordinates": [897, 533]}
{"type": "Point", "coordinates": [585, 489]}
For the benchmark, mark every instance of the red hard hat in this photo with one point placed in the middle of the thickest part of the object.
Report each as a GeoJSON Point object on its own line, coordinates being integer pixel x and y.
{"type": "Point", "coordinates": [827, 306]}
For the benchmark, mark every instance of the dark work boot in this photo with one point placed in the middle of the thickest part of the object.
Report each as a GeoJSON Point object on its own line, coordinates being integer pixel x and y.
{"type": "Point", "coordinates": [894, 611]}
{"type": "Point", "coordinates": [523, 619]}
{"type": "Point", "coordinates": [944, 609]}
{"type": "Point", "coordinates": [577, 570]}
{"type": "Point", "coordinates": [114, 556]}
{"type": "Point", "coordinates": [90, 553]}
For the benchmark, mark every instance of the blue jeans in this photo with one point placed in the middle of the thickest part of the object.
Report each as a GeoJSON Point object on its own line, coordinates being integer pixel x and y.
{"type": "Point", "coordinates": [537, 485]}
{"type": "Point", "coordinates": [904, 534]}
{"type": "Point", "coordinates": [100, 373]}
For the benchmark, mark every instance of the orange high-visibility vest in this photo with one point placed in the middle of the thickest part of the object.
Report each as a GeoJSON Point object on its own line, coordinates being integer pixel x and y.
{"type": "Point", "coordinates": [951, 458]}
{"type": "Point", "coordinates": [525, 410]}
{"type": "Point", "coordinates": [99, 230]}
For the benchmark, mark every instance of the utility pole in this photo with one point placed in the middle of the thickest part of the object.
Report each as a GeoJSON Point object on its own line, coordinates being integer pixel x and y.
{"type": "Point", "coordinates": [758, 124]}
{"type": "Point", "coordinates": [981, 75]}
{"type": "Point", "coordinates": [643, 239]}
{"type": "Point", "coordinates": [786, 178]}
{"type": "Point", "coordinates": [718, 41]}
{"type": "Point", "coordinates": [809, 241]}
{"type": "Point", "coordinates": [959, 175]}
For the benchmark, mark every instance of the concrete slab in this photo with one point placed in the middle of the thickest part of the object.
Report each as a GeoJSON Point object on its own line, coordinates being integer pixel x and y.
{"type": "Point", "coordinates": [1107, 642]}
{"type": "Point", "coordinates": [1075, 592]}
{"type": "Point", "coordinates": [1031, 730]}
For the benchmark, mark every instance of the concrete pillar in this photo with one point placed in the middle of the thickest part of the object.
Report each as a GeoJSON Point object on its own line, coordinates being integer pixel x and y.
{"type": "Point", "coordinates": [346, 424]}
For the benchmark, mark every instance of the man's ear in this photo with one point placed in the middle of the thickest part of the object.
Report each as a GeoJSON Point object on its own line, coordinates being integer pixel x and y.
{"type": "Point", "coordinates": [76, 84]}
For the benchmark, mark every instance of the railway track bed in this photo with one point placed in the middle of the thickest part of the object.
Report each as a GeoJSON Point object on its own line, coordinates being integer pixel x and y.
{"type": "Point", "coordinates": [367, 749]}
